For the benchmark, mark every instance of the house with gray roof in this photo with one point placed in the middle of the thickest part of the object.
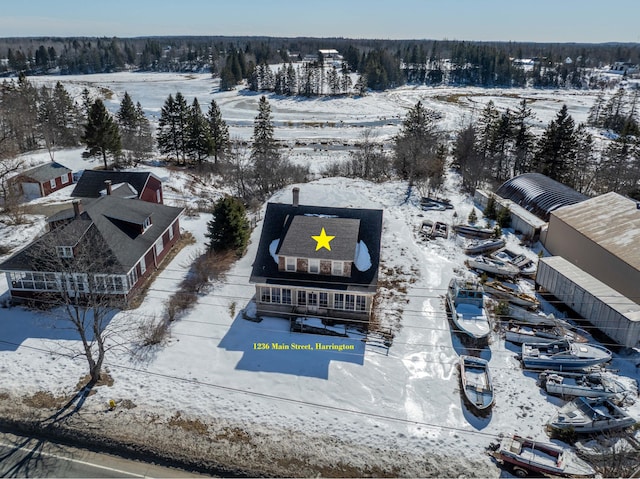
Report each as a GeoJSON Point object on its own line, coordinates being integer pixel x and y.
{"type": "Point", "coordinates": [43, 180]}
{"type": "Point", "coordinates": [142, 185]}
{"type": "Point", "coordinates": [318, 261]}
{"type": "Point", "coordinates": [108, 245]}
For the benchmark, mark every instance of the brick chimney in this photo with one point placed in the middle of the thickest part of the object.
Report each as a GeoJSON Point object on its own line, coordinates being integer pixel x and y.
{"type": "Point", "coordinates": [77, 208]}
{"type": "Point", "coordinates": [296, 196]}
{"type": "Point", "coordinates": [108, 183]}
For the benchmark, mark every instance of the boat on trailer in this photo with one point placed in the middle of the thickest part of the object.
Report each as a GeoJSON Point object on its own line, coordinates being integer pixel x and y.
{"type": "Point", "coordinates": [527, 456]}
{"type": "Point", "coordinates": [476, 382]}
{"type": "Point", "coordinates": [465, 300]}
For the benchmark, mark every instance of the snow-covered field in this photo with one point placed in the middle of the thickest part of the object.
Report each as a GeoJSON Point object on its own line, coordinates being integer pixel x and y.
{"type": "Point", "coordinates": [398, 411]}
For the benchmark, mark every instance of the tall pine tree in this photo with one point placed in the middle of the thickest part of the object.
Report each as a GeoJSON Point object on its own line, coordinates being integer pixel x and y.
{"type": "Point", "coordinates": [219, 131]}
{"type": "Point", "coordinates": [101, 134]}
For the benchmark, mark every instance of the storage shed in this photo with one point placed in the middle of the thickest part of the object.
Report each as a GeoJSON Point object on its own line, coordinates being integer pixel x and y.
{"type": "Point", "coordinates": [539, 194]}
{"type": "Point", "coordinates": [608, 310]}
{"type": "Point", "coordinates": [522, 220]}
{"type": "Point", "coordinates": [602, 237]}
{"type": "Point", "coordinates": [44, 179]}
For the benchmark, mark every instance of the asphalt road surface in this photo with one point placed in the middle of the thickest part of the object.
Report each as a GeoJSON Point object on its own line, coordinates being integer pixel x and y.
{"type": "Point", "coordinates": [30, 457]}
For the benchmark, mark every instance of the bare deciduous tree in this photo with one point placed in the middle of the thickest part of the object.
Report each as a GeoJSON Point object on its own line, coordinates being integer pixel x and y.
{"type": "Point", "coordinates": [82, 283]}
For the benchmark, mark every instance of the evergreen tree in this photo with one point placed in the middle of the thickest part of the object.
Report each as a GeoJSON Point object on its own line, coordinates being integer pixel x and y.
{"type": "Point", "coordinates": [219, 131]}
{"type": "Point", "coordinates": [228, 229]}
{"type": "Point", "coordinates": [523, 139]}
{"type": "Point", "coordinates": [490, 210]}
{"type": "Point", "coordinates": [127, 121]}
{"type": "Point", "coordinates": [486, 145]}
{"type": "Point", "coordinates": [466, 157]}
{"type": "Point", "coordinates": [101, 134]}
{"type": "Point", "coordinates": [416, 145]}
{"type": "Point", "coordinates": [172, 128]}
{"type": "Point", "coordinates": [556, 150]}
{"type": "Point", "coordinates": [198, 142]}
{"type": "Point", "coordinates": [265, 153]}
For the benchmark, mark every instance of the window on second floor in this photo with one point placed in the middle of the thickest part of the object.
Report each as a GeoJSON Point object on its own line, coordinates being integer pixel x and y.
{"type": "Point", "coordinates": [146, 224]}
{"type": "Point", "coordinates": [291, 264]}
{"type": "Point", "coordinates": [314, 266]}
{"type": "Point", "coordinates": [65, 251]}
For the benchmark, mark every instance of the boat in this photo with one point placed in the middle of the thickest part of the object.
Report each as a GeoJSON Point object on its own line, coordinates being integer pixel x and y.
{"type": "Point", "coordinates": [504, 292]}
{"type": "Point", "coordinates": [435, 203]}
{"type": "Point", "coordinates": [480, 246]}
{"type": "Point", "coordinates": [595, 384]}
{"type": "Point", "coordinates": [536, 318]}
{"type": "Point", "coordinates": [476, 382]}
{"type": "Point", "coordinates": [493, 267]}
{"type": "Point", "coordinates": [473, 231]}
{"type": "Point", "coordinates": [522, 333]}
{"type": "Point", "coordinates": [465, 300]}
{"type": "Point", "coordinates": [528, 267]}
{"type": "Point", "coordinates": [563, 355]}
{"type": "Point", "coordinates": [590, 415]}
{"type": "Point", "coordinates": [527, 456]}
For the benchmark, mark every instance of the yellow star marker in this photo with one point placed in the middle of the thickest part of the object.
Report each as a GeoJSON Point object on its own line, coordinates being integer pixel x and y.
{"type": "Point", "coordinates": [323, 240]}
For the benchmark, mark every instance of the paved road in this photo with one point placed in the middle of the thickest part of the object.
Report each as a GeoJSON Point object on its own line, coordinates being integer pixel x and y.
{"type": "Point", "coordinates": [27, 457]}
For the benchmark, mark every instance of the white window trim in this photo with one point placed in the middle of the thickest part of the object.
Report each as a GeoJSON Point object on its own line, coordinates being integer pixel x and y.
{"type": "Point", "coordinates": [52, 183]}
{"type": "Point", "coordinates": [64, 179]}
{"type": "Point", "coordinates": [334, 268]}
{"type": "Point", "coordinates": [290, 261]}
{"type": "Point", "coordinates": [146, 224]}
{"type": "Point", "coordinates": [159, 246]}
{"type": "Point", "coordinates": [170, 232]}
{"type": "Point", "coordinates": [316, 263]}
{"type": "Point", "coordinates": [65, 251]}
{"type": "Point", "coordinates": [143, 266]}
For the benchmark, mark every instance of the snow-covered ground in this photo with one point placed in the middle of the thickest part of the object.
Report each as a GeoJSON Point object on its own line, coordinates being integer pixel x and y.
{"type": "Point", "coordinates": [399, 409]}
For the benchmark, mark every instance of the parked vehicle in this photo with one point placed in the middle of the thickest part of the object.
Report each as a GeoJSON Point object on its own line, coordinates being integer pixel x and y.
{"type": "Point", "coordinates": [476, 382]}
{"type": "Point", "coordinates": [527, 456]}
{"type": "Point", "coordinates": [590, 415]}
{"type": "Point", "coordinates": [493, 267]}
{"type": "Point", "coordinates": [481, 246]}
{"type": "Point", "coordinates": [596, 384]}
{"type": "Point", "coordinates": [465, 300]}
{"type": "Point", "coordinates": [504, 292]}
{"type": "Point", "coordinates": [563, 355]}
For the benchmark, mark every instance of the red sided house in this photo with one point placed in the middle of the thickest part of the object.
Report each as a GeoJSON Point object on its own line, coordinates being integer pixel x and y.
{"type": "Point", "coordinates": [108, 245]}
{"type": "Point", "coordinates": [141, 185]}
{"type": "Point", "coordinates": [43, 180]}
{"type": "Point", "coordinates": [318, 261]}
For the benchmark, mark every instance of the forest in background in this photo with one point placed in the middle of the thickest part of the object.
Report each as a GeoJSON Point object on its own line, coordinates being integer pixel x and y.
{"type": "Point", "coordinates": [382, 64]}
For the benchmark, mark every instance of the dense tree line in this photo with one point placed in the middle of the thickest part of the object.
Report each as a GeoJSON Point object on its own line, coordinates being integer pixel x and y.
{"type": "Point", "coordinates": [382, 63]}
{"type": "Point", "coordinates": [500, 145]}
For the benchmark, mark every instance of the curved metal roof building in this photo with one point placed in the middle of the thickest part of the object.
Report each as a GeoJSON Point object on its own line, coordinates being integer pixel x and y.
{"type": "Point", "coordinates": [539, 194]}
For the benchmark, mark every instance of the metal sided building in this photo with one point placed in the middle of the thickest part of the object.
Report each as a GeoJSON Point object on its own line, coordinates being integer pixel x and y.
{"type": "Point", "coordinates": [601, 236]}
{"type": "Point", "coordinates": [608, 310]}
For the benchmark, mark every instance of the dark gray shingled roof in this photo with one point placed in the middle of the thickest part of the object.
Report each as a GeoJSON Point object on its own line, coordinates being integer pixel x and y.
{"type": "Point", "coordinates": [277, 220]}
{"type": "Point", "coordinates": [539, 194]}
{"type": "Point", "coordinates": [46, 172]}
{"type": "Point", "coordinates": [124, 239]}
{"type": "Point", "coordinates": [298, 241]}
{"type": "Point", "coordinates": [91, 183]}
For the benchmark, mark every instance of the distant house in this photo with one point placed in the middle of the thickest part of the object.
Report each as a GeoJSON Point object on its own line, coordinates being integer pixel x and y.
{"type": "Point", "coordinates": [318, 261]}
{"type": "Point", "coordinates": [624, 68]}
{"type": "Point", "coordinates": [144, 186]}
{"type": "Point", "coordinates": [128, 238]}
{"type": "Point", "coordinates": [43, 180]}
